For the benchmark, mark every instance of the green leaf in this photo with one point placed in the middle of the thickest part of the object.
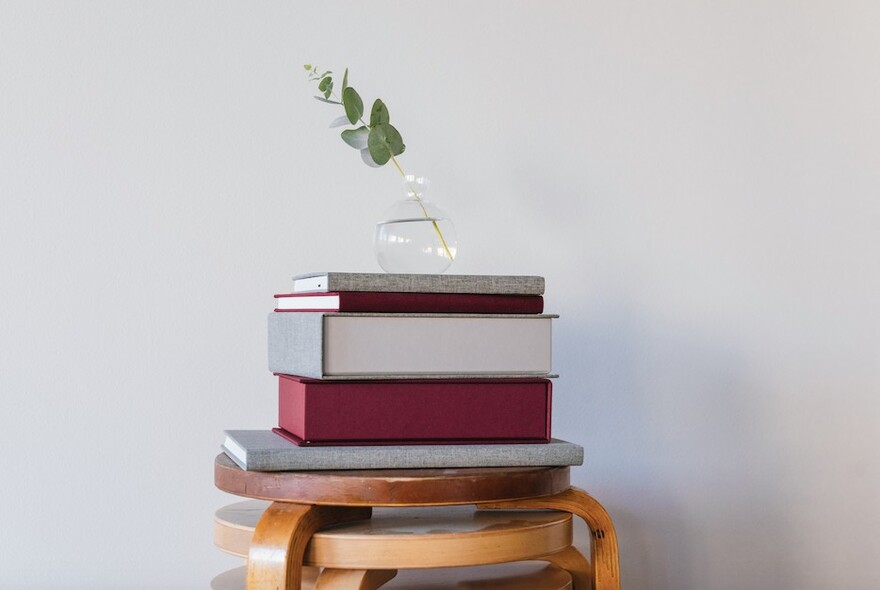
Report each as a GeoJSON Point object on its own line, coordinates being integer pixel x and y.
{"type": "Point", "coordinates": [328, 101]}
{"type": "Point", "coordinates": [354, 106]}
{"type": "Point", "coordinates": [326, 86]}
{"type": "Point", "coordinates": [356, 138]}
{"type": "Point", "coordinates": [368, 159]}
{"type": "Point", "coordinates": [379, 114]}
{"type": "Point", "coordinates": [378, 148]}
{"type": "Point", "coordinates": [308, 67]}
{"type": "Point", "coordinates": [393, 139]}
{"type": "Point", "coordinates": [383, 142]}
{"type": "Point", "coordinates": [339, 121]}
{"type": "Point", "coordinates": [345, 81]}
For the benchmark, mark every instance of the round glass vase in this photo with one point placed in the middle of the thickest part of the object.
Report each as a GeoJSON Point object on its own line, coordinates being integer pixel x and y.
{"type": "Point", "coordinates": [415, 236]}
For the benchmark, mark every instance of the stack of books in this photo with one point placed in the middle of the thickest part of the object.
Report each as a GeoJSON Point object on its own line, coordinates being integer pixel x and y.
{"type": "Point", "coordinates": [381, 371]}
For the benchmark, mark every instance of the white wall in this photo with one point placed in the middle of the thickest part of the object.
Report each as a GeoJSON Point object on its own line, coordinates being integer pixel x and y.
{"type": "Point", "coordinates": [698, 182]}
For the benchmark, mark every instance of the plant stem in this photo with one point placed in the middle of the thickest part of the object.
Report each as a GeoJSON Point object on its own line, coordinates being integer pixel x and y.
{"type": "Point", "coordinates": [412, 190]}
{"type": "Point", "coordinates": [424, 211]}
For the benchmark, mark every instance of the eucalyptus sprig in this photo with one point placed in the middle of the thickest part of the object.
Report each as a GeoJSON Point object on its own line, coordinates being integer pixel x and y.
{"type": "Point", "coordinates": [378, 142]}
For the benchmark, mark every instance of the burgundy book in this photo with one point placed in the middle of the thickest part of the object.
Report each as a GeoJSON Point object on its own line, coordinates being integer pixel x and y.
{"type": "Point", "coordinates": [413, 411]}
{"type": "Point", "coordinates": [375, 302]}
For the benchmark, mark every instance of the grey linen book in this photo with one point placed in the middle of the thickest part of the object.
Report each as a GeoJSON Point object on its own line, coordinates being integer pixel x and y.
{"type": "Point", "coordinates": [263, 450]}
{"type": "Point", "coordinates": [416, 283]}
{"type": "Point", "coordinates": [326, 345]}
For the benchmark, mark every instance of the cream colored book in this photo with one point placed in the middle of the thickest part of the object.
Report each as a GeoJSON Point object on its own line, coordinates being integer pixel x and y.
{"type": "Point", "coordinates": [396, 346]}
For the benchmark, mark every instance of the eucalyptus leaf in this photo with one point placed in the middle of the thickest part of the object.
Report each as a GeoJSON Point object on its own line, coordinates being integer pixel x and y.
{"type": "Point", "coordinates": [379, 113]}
{"type": "Point", "coordinates": [339, 121]}
{"type": "Point", "coordinates": [327, 100]}
{"type": "Point", "coordinates": [308, 67]}
{"type": "Point", "coordinates": [356, 138]}
{"type": "Point", "coordinates": [387, 134]}
{"type": "Point", "coordinates": [326, 86]}
{"type": "Point", "coordinates": [354, 106]}
{"type": "Point", "coordinates": [368, 159]}
{"type": "Point", "coordinates": [345, 81]}
{"type": "Point", "coordinates": [394, 140]}
{"type": "Point", "coordinates": [377, 146]}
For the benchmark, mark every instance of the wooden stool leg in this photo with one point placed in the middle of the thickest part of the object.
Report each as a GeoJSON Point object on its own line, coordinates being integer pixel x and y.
{"type": "Point", "coordinates": [276, 552]}
{"type": "Point", "coordinates": [334, 579]}
{"type": "Point", "coordinates": [603, 549]}
{"type": "Point", "coordinates": [573, 561]}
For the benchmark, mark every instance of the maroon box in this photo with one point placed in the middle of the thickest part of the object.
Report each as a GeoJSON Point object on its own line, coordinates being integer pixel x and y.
{"type": "Point", "coordinates": [414, 411]}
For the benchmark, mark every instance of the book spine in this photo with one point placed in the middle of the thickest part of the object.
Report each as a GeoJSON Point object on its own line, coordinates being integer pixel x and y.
{"type": "Point", "coordinates": [296, 343]}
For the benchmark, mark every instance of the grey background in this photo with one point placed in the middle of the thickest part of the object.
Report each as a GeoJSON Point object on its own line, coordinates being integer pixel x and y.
{"type": "Point", "coordinates": [698, 182]}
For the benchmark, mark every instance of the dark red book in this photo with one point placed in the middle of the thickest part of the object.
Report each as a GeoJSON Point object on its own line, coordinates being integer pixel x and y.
{"type": "Point", "coordinates": [414, 411]}
{"type": "Point", "coordinates": [375, 302]}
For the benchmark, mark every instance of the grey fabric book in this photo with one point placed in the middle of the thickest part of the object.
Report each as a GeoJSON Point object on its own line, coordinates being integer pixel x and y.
{"type": "Point", "coordinates": [263, 450]}
{"type": "Point", "coordinates": [326, 345]}
{"type": "Point", "coordinates": [416, 283]}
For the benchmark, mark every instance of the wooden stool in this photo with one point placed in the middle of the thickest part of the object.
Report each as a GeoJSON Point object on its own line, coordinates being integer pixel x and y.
{"type": "Point", "coordinates": [508, 576]}
{"type": "Point", "coordinates": [305, 502]}
{"type": "Point", "coordinates": [409, 538]}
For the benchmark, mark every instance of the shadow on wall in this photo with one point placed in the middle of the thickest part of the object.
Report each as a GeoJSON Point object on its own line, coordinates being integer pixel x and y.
{"type": "Point", "coordinates": [676, 448]}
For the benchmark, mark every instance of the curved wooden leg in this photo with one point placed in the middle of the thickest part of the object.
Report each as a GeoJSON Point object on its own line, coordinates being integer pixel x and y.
{"type": "Point", "coordinates": [573, 561]}
{"type": "Point", "coordinates": [276, 552]}
{"type": "Point", "coordinates": [603, 549]}
{"type": "Point", "coordinates": [334, 579]}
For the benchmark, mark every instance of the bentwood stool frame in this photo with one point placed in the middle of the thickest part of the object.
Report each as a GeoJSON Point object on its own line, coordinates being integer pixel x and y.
{"type": "Point", "coordinates": [307, 501]}
{"type": "Point", "coordinates": [431, 541]}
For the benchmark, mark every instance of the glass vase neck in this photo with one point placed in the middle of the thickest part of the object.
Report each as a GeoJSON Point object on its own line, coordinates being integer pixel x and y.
{"type": "Point", "coordinates": [415, 186]}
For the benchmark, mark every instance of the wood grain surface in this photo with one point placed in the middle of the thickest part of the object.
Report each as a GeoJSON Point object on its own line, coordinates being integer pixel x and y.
{"type": "Point", "coordinates": [392, 487]}
{"type": "Point", "coordinates": [404, 538]}
{"type": "Point", "coordinates": [332, 579]}
{"type": "Point", "coordinates": [275, 557]}
{"type": "Point", "coordinates": [509, 576]}
{"type": "Point", "coordinates": [603, 544]}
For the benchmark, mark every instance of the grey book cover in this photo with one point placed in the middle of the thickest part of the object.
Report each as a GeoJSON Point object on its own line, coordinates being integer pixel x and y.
{"type": "Point", "coordinates": [263, 450]}
{"type": "Point", "coordinates": [328, 345]}
{"type": "Point", "coordinates": [419, 283]}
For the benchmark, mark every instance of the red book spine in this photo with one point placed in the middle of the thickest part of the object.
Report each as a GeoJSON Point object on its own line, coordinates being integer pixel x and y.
{"type": "Point", "coordinates": [372, 302]}
{"type": "Point", "coordinates": [443, 411]}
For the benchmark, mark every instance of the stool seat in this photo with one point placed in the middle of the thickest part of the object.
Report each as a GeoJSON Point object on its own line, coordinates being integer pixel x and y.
{"type": "Point", "coordinates": [508, 576]}
{"type": "Point", "coordinates": [391, 487]}
{"type": "Point", "coordinates": [403, 538]}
